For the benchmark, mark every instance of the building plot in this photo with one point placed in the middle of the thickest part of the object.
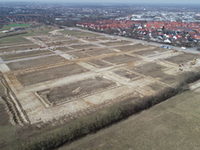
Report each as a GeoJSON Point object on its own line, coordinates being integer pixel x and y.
{"type": "Point", "coordinates": [19, 48]}
{"type": "Point", "coordinates": [82, 46]}
{"type": "Point", "coordinates": [50, 74]}
{"type": "Point", "coordinates": [183, 58]}
{"type": "Point", "coordinates": [34, 53]}
{"type": "Point", "coordinates": [77, 90]}
{"type": "Point", "coordinates": [74, 76]}
{"type": "Point", "coordinates": [30, 63]}
{"type": "Point", "coordinates": [115, 43]}
{"type": "Point", "coordinates": [98, 51]}
{"type": "Point", "coordinates": [150, 52]}
{"type": "Point", "coordinates": [121, 59]}
{"type": "Point", "coordinates": [127, 74]}
{"type": "Point", "coordinates": [79, 54]}
{"type": "Point", "coordinates": [134, 47]}
{"type": "Point", "coordinates": [99, 63]}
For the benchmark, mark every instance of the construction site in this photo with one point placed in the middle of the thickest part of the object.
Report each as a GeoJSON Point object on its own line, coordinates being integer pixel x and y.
{"type": "Point", "coordinates": [70, 72]}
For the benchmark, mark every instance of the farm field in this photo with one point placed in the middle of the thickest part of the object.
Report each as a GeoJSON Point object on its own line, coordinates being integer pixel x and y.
{"type": "Point", "coordinates": [53, 76]}
{"type": "Point", "coordinates": [13, 41]}
{"type": "Point", "coordinates": [173, 124]}
{"type": "Point", "coordinates": [7, 27]}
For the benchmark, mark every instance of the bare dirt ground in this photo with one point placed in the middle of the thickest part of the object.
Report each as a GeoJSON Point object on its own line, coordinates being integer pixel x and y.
{"type": "Point", "coordinates": [76, 90]}
{"type": "Point", "coordinates": [127, 74]}
{"type": "Point", "coordinates": [71, 75]}
{"type": "Point", "coordinates": [99, 63]}
{"type": "Point", "coordinates": [50, 74]}
{"type": "Point", "coordinates": [114, 43]}
{"type": "Point", "coordinates": [15, 56]}
{"type": "Point", "coordinates": [17, 48]}
{"type": "Point", "coordinates": [150, 52]}
{"type": "Point", "coordinates": [82, 46]}
{"type": "Point", "coordinates": [182, 58]}
{"type": "Point", "coordinates": [98, 51]}
{"type": "Point", "coordinates": [133, 47]}
{"type": "Point", "coordinates": [35, 62]}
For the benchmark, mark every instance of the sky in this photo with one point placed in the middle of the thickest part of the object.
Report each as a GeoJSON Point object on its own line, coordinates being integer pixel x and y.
{"type": "Point", "coordinates": [113, 1]}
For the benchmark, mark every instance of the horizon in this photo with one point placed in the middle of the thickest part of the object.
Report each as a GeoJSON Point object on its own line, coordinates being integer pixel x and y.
{"type": "Point", "coordinates": [183, 2]}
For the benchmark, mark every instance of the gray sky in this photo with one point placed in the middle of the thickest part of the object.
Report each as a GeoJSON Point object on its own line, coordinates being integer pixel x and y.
{"type": "Point", "coordinates": [114, 1]}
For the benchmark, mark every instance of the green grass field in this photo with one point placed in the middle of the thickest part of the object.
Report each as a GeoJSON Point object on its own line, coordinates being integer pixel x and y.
{"type": "Point", "coordinates": [7, 27]}
{"type": "Point", "coordinates": [19, 39]}
{"type": "Point", "coordinates": [13, 39]}
{"type": "Point", "coordinates": [171, 125]}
